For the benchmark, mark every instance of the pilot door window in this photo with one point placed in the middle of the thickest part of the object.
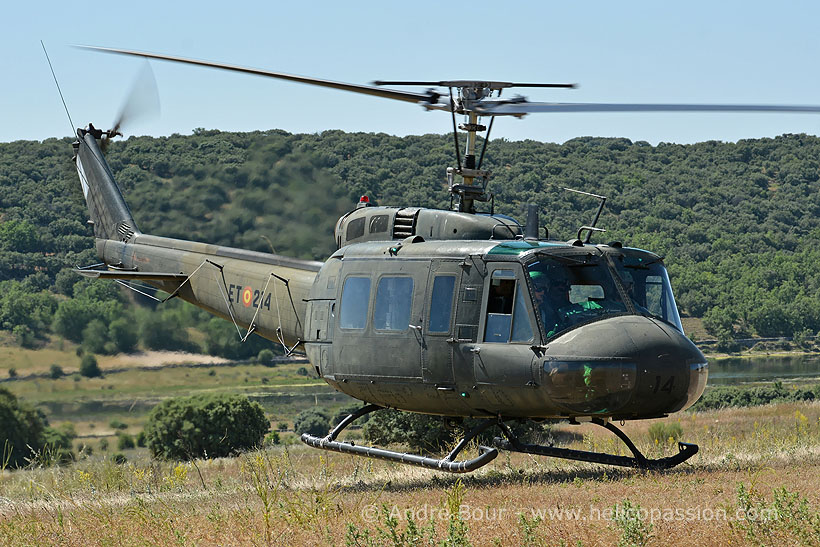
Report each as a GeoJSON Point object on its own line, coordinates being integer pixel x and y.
{"type": "Point", "coordinates": [355, 301]}
{"type": "Point", "coordinates": [507, 317]}
{"type": "Point", "coordinates": [394, 301]}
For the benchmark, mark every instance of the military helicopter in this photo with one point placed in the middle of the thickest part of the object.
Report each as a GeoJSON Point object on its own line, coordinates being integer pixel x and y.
{"type": "Point", "coordinates": [443, 312]}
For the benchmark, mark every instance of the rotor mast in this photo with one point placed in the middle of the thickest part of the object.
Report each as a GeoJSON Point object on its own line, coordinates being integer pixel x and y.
{"type": "Point", "coordinates": [468, 191]}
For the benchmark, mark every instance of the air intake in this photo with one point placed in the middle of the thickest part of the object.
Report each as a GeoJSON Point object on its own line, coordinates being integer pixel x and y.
{"type": "Point", "coordinates": [404, 225]}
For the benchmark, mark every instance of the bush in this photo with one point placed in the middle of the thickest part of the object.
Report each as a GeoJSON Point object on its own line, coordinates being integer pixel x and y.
{"type": "Point", "coordinates": [432, 434]}
{"type": "Point", "coordinates": [57, 447]}
{"type": "Point", "coordinates": [314, 421]}
{"type": "Point", "coordinates": [56, 372]}
{"type": "Point", "coordinates": [419, 431]}
{"type": "Point", "coordinates": [302, 371]}
{"type": "Point", "coordinates": [117, 424]}
{"type": "Point", "coordinates": [141, 439]}
{"type": "Point", "coordinates": [21, 427]}
{"type": "Point", "coordinates": [103, 445]}
{"type": "Point", "coordinates": [125, 441]}
{"type": "Point", "coordinates": [265, 357]}
{"type": "Point", "coordinates": [119, 458]}
{"type": "Point", "coordinates": [12, 372]}
{"type": "Point", "coordinates": [89, 367]}
{"type": "Point", "coordinates": [734, 396]}
{"type": "Point", "coordinates": [214, 425]}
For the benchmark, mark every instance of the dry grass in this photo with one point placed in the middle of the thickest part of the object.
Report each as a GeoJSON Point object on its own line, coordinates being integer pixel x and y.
{"type": "Point", "coordinates": [303, 496]}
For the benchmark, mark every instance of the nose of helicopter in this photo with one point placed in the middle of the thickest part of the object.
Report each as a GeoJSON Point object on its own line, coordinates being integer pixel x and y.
{"type": "Point", "coordinates": [629, 366]}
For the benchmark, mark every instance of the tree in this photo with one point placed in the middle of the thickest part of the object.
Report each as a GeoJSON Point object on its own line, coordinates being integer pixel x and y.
{"type": "Point", "coordinates": [213, 425]}
{"type": "Point", "coordinates": [95, 336]}
{"type": "Point", "coordinates": [123, 335]}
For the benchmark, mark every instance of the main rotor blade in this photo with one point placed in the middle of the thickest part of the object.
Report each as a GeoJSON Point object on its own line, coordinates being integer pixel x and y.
{"type": "Point", "coordinates": [472, 83]}
{"type": "Point", "coordinates": [500, 108]}
{"type": "Point", "coordinates": [430, 97]}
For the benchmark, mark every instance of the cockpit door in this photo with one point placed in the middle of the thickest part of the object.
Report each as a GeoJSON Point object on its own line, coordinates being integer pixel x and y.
{"type": "Point", "coordinates": [503, 356]}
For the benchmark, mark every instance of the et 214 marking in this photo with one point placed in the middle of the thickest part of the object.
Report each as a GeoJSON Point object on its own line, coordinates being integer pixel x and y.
{"type": "Point", "coordinates": [248, 297]}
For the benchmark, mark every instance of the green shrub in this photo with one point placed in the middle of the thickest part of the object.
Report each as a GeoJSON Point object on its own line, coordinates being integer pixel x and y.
{"type": "Point", "coordinates": [432, 434]}
{"type": "Point", "coordinates": [21, 427]}
{"type": "Point", "coordinates": [12, 372]}
{"type": "Point", "coordinates": [140, 440]}
{"type": "Point", "coordinates": [89, 367]}
{"type": "Point", "coordinates": [117, 424]}
{"type": "Point", "coordinates": [265, 357]}
{"type": "Point", "coordinates": [125, 441]}
{"type": "Point", "coordinates": [57, 447]}
{"type": "Point", "coordinates": [302, 371]}
{"type": "Point", "coordinates": [733, 396]}
{"type": "Point", "coordinates": [213, 425]}
{"type": "Point", "coordinates": [314, 421]}
{"type": "Point", "coordinates": [103, 445]}
{"type": "Point", "coordinates": [56, 372]}
{"type": "Point", "coordinates": [119, 458]}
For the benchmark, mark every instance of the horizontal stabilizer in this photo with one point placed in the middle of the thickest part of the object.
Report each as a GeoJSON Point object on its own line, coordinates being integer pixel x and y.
{"type": "Point", "coordinates": [134, 276]}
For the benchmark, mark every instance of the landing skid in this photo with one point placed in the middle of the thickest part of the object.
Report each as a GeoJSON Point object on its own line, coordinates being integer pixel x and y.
{"type": "Point", "coordinates": [487, 454]}
{"type": "Point", "coordinates": [637, 460]}
{"type": "Point", "coordinates": [448, 463]}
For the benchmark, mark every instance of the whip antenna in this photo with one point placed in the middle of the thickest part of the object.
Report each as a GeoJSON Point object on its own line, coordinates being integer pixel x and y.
{"type": "Point", "coordinates": [58, 87]}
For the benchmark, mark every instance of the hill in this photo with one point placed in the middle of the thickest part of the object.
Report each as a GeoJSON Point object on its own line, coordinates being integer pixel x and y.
{"type": "Point", "coordinates": [738, 223]}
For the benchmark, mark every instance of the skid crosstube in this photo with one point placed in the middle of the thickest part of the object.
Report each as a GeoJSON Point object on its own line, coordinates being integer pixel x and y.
{"type": "Point", "coordinates": [487, 454]}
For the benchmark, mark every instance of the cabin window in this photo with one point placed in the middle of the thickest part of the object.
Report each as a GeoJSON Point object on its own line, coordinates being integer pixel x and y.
{"type": "Point", "coordinates": [507, 317]}
{"type": "Point", "coordinates": [355, 229]}
{"type": "Point", "coordinates": [441, 303]}
{"type": "Point", "coordinates": [378, 224]}
{"type": "Point", "coordinates": [394, 300]}
{"type": "Point", "coordinates": [355, 301]}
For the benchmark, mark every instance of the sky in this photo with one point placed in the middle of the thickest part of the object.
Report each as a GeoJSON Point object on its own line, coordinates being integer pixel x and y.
{"type": "Point", "coordinates": [750, 52]}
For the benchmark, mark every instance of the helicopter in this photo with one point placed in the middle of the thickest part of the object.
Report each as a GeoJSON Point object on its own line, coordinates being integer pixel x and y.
{"type": "Point", "coordinates": [450, 312]}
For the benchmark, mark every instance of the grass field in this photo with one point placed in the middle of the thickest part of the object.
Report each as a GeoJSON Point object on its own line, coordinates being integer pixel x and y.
{"type": "Point", "coordinates": [762, 462]}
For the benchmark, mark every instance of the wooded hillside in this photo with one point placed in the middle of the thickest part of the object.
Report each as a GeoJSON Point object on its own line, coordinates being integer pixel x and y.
{"type": "Point", "coordinates": [738, 223]}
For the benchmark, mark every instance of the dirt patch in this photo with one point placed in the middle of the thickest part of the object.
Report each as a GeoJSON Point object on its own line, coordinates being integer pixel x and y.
{"type": "Point", "coordinates": [149, 359]}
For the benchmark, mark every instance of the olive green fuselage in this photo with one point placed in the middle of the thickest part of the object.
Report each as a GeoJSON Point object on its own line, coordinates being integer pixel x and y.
{"type": "Point", "coordinates": [409, 355]}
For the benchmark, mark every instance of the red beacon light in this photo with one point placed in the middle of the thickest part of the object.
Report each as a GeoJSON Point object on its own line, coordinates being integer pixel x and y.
{"type": "Point", "coordinates": [364, 201]}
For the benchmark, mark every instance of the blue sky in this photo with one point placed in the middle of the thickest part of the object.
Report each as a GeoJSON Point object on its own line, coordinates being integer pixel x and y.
{"type": "Point", "coordinates": [700, 52]}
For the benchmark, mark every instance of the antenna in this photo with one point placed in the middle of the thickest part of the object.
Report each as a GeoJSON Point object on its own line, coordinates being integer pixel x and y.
{"type": "Point", "coordinates": [58, 88]}
{"type": "Point", "coordinates": [591, 228]}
